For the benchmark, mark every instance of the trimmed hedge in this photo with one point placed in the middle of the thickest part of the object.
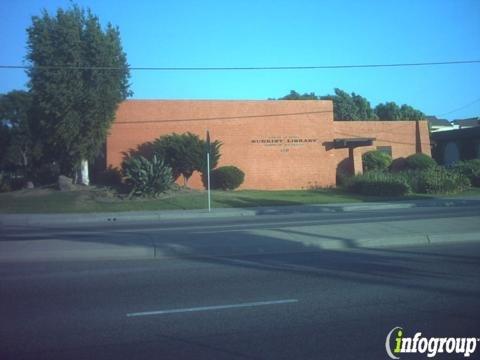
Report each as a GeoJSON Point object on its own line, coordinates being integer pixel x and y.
{"type": "Point", "coordinates": [226, 178]}
{"type": "Point", "coordinates": [436, 180]}
{"type": "Point", "coordinates": [376, 160]}
{"type": "Point", "coordinates": [419, 162]}
{"type": "Point", "coordinates": [439, 180]}
{"type": "Point", "coordinates": [378, 183]}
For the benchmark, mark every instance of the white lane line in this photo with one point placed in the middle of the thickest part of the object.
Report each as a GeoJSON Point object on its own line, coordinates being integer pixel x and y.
{"type": "Point", "coordinates": [216, 307]}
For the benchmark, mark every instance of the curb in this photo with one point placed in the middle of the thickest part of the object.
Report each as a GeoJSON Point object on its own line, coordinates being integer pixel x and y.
{"type": "Point", "coordinates": [418, 239]}
{"type": "Point", "coordinates": [166, 215]}
{"type": "Point", "coordinates": [23, 252]}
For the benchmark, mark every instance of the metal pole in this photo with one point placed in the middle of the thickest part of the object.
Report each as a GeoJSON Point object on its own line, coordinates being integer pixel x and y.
{"type": "Point", "coordinates": [208, 180]}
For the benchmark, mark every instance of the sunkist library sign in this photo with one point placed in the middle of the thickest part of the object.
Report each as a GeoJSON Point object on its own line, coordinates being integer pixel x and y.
{"type": "Point", "coordinates": [284, 141]}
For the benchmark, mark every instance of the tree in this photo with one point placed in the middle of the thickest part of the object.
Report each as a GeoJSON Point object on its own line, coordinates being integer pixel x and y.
{"type": "Point", "coordinates": [409, 113]}
{"type": "Point", "coordinates": [363, 109]}
{"type": "Point", "coordinates": [350, 107]}
{"type": "Point", "coordinates": [293, 95]}
{"type": "Point", "coordinates": [388, 111]}
{"type": "Point", "coordinates": [181, 152]}
{"type": "Point", "coordinates": [78, 76]}
{"type": "Point", "coordinates": [20, 147]}
{"type": "Point", "coordinates": [4, 145]}
{"type": "Point", "coordinates": [353, 107]}
{"type": "Point", "coordinates": [391, 111]}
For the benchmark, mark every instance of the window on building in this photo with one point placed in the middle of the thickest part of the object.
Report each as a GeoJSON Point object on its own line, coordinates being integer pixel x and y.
{"type": "Point", "coordinates": [385, 149]}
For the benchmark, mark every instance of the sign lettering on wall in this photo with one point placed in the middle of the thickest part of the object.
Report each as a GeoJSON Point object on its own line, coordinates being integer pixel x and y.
{"type": "Point", "coordinates": [284, 142]}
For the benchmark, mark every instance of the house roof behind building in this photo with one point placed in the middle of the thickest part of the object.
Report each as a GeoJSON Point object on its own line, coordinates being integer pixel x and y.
{"type": "Point", "coordinates": [434, 121]}
{"type": "Point", "coordinates": [457, 134]}
{"type": "Point", "coordinates": [475, 121]}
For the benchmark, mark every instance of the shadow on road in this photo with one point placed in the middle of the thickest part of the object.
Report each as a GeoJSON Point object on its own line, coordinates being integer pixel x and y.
{"type": "Point", "coordinates": [284, 248]}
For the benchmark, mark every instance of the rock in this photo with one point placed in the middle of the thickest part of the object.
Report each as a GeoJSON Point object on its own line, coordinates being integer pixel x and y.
{"type": "Point", "coordinates": [65, 183]}
{"type": "Point", "coordinates": [29, 185]}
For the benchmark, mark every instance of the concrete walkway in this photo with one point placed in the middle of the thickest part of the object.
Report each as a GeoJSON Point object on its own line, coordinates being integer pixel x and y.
{"type": "Point", "coordinates": [237, 232]}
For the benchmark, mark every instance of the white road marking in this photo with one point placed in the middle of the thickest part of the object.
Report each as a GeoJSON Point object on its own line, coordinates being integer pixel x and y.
{"type": "Point", "coordinates": [216, 307]}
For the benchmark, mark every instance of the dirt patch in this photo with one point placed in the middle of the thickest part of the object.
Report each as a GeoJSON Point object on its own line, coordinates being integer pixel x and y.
{"type": "Point", "coordinates": [86, 194]}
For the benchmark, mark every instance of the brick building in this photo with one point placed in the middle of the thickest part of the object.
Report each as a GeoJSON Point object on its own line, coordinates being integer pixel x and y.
{"type": "Point", "coordinates": [278, 144]}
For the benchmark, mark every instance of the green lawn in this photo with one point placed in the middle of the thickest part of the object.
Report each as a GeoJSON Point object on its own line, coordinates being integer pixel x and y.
{"type": "Point", "coordinates": [52, 201]}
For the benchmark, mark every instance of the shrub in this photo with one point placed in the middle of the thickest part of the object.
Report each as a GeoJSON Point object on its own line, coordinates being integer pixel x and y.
{"type": "Point", "coordinates": [378, 183]}
{"type": "Point", "coordinates": [46, 174]}
{"type": "Point", "coordinates": [185, 153]}
{"type": "Point", "coordinates": [147, 177]}
{"type": "Point", "coordinates": [4, 183]}
{"type": "Point", "coordinates": [376, 160]}
{"type": "Point", "coordinates": [419, 162]}
{"type": "Point", "coordinates": [398, 165]}
{"type": "Point", "coordinates": [470, 169]}
{"type": "Point", "coordinates": [226, 178]}
{"type": "Point", "coordinates": [111, 176]}
{"type": "Point", "coordinates": [438, 180]}
{"type": "Point", "coordinates": [11, 182]}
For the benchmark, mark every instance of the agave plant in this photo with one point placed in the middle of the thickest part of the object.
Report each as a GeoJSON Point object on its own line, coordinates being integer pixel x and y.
{"type": "Point", "coordinates": [147, 177]}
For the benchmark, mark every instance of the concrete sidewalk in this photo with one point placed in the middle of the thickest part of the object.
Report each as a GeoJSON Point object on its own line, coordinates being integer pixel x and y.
{"type": "Point", "coordinates": [167, 215]}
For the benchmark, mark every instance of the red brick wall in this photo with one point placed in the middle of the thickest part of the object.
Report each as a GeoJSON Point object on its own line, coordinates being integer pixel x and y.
{"type": "Point", "coordinates": [237, 124]}
{"type": "Point", "coordinates": [402, 136]}
{"type": "Point", "coordinates": [278, 144]}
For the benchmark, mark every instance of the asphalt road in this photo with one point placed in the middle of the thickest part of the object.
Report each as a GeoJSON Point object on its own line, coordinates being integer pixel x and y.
{"type": "Point", "coordinates": [257, 288]}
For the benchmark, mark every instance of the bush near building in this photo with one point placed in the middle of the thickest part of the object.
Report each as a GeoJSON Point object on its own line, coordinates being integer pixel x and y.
{"type": "Point", "coordinates": [419, 162]}
{"type": "Point", "coordinates": [226, 178]}
{"type": "Point", "coordinates": [438, 180]}
{"type": "Point", "coordinates": [376, 160]}
{"type": "Point", "coordinates": [470, 169]}
{"type": "Point", "coordinates": [421, 175]}
{"type": "Point", "coordinates": [378, 183]}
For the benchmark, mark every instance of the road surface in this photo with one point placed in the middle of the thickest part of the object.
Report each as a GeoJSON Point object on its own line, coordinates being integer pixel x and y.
{"type": "Point", "coordinates": [290, 286]}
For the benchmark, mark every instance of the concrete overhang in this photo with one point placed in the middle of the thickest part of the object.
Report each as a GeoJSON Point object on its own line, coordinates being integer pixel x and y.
{"type": "Point", "coordinates": [352, 142]}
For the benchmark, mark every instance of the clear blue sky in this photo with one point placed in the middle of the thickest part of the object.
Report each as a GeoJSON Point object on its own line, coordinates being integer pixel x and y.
{"type": "Point", "coordinates": [221, 33]}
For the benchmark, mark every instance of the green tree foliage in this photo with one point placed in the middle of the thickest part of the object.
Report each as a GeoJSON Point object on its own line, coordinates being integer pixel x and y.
{"type": "Point", "coordinates": [214, 155]}
{"type": "Point", "coordinates": [409, 113]}
{"type": "Point", "coordinates": [147, 177]}
{"type": "Point", "coordinates": [185, 153]}
{"type": "Point", "coordinates": [293, 95]}
{"type": "Point", "coordinates": [388, 111]}
{"type": "Point", "coordinates": [21, 148]}
{"type": "Point", "coordinates": [353, 107]}
{"type": "Point", "coordinates": [181, 152]}
{"type": "Point", "coordinates": [376, 160]}
{"type": "Point", "coordinates": [4, 145]}
{"type": "Point", "coordinates": [391, 111]}
{"type": "Point", "coordinates": [78, 76]}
